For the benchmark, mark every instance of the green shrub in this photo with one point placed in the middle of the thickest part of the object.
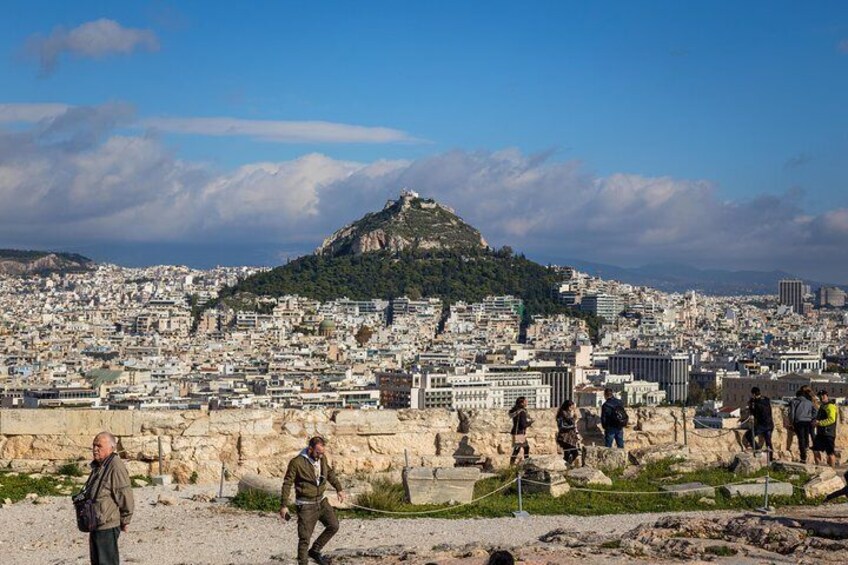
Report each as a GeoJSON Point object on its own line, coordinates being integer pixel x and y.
{"type": "Point", "coordinates": [16, 487]}
{"type": "Point", "coordinates": [257, 501]}
{"type": "Point", "coordinates": [721, 550]}
{"type": "Point", "coordinates": [71, 469]}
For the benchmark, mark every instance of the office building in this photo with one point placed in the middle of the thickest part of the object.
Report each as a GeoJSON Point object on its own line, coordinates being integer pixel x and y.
{"type": "Point", "coordinates": [791, 293]}
{"type": "Point", "coordinates": [670, 370]}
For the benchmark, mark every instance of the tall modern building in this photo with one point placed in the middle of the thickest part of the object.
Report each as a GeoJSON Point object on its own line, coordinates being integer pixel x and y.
{"type": "Point", "coordinates": [670, 370]}
{"type": "Point", "coordinates": [791, 293]}
{"type": "Point", "coordinates": [604, 306]}
{"type": "Point", "coordinates": [830, 297]}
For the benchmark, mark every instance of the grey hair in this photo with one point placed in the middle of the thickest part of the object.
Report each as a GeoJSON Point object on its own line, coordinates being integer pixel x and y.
{"type": "Point", "coordinates": [113, 441]}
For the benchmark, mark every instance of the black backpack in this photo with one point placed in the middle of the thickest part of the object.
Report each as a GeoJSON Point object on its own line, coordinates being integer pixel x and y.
{"type": "Point", "coordinates": [619, 417]}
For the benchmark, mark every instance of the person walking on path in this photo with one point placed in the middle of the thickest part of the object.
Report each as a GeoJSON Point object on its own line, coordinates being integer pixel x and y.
{"type": "Point", "coordinates": [802, 412]}
{"type": "Point", "coordinates": [309, 472]}
{"type": "Point", "coordinates": [759, 408]}
{"type": "Point", "coordinates": [520, 422]}
{"type": "Point", "coordinates": [567, 437]}
{"type": "Point", "coordinates": [613, 419]}
{"type": "Point", "coordinates": [825, 423]}
{"type": "Point", "coordinates": [109, 482]}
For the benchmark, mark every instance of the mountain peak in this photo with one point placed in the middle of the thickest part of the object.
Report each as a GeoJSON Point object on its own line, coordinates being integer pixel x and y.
{"type": "Point", "coordinates": [408, 223]}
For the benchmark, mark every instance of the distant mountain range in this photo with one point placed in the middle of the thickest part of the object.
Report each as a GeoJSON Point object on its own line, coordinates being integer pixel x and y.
{"type": "Point", "coordinates": [676, 277]}
{"type": "Point", "coordinates": [17, 262]}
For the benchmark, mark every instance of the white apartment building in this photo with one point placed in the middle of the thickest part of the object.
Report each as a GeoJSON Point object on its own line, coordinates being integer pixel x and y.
{"type": "Point", "coordinates": [792, 361]}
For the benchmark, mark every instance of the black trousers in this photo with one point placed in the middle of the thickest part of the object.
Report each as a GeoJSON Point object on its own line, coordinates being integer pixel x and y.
{"type": "Point", "coordinates": [804, 431]}
{"type": "Point", "coordinates": [103, 547]}
{"type": "Point", "coordinates": [308, 515]}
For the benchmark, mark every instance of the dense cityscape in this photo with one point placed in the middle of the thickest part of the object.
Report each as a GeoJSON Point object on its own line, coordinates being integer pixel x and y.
{"type": "Point", "coordinates": [120, 338]}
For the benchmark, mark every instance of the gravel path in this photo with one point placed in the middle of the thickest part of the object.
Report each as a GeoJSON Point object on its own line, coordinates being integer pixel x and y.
{"type": "Point", "coordinates": [199, 532]}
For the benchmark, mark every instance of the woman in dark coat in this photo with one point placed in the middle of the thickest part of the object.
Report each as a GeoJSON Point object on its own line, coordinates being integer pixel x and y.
{"type": "Point", "coordinates": [567, 437]}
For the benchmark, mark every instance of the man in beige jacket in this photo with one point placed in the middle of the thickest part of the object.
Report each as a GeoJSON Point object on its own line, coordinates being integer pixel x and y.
{"type": "Point", "coordinates": [110, 485]}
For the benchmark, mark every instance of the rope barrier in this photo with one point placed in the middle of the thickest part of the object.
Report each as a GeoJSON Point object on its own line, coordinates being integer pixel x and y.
{"type": "Point", "coordinates": [437, 510]}
{"type": "Point", "coordinates": [651, 492]}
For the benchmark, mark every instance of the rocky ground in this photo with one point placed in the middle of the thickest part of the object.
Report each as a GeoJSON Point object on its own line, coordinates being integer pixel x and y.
{"type": "Point", "coordinates": [174, 527]}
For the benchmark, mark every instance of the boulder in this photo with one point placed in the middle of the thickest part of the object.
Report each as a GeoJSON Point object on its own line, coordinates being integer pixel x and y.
{"type": "Point", "coordinates": [823, 485]}
{"type": "Point", "coordinates": [689, 489]}
{"type": "Point", "coordinates": [606, 458]}
{"type": "Point", "coordinates": [252, 482]}
{"type": "Point", "coordinates": [441, 485]}
{"type": "Point", "coordinates": [554, 485]}
{"type": "Point", "coordinates": [550, 463]}
{"type": "Point", "coordinates": [167, 500]}
{"type": "Point", "coordinates": [586, 476]}
{"type": "Point", "coordinates": [798, 467]}
{"type": "Point", "coordinates": [748, 463]}
{"type": "Point", "coordinates": [775, 488]}
{"type": "Point", "coordinates": [545, 474]}
{"type": "Point", "coordinates": [654, 453]}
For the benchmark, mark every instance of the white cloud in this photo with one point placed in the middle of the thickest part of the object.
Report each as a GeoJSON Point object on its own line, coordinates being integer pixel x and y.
{"type": "Point", "coordinates": [95, 39]}
{"type": "Point", "coordinates": [29, 113]}
{"type": "Point", "coordinates": [278, 130]}
{"type": "Point", "coordinates": [74, 179]}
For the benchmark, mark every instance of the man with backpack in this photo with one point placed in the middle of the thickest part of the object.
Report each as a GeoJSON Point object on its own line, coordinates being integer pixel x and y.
{"type": "Point", "coordinates": [613, 419]}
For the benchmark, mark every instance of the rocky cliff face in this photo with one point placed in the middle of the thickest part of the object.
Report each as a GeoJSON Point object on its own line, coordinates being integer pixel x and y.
{"type": "Point", "coordinates": [408, 223]}
{"type": "Point", "coordinates": [17, 263]}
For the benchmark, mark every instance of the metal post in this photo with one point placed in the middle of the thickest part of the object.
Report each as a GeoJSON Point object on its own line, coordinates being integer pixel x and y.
{"type": "Point", "coordinates": [520, 513]}
{"type": "Point", "coordinates": [685, 430]}
{"type": "Point", "coordinates": [766, 509]}
{"type": "Point", "coordinates": [159, 440]}
{"type": "Point", "coordinates": [406, 458]}
{"type": "Point", "coordinates": [221, 486]}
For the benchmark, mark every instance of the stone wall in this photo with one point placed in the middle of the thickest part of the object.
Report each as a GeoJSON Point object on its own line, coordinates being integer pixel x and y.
{"type": "Point", "coordinates": [360, 442]}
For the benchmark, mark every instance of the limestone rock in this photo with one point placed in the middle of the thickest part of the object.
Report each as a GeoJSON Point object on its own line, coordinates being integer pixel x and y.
{"type": "Point", "coordinates": [775, 488]}
{"type": "Point", "coordinates": [689, 489]}
{"type": "Point", "coordinates": [586, 476]}
{"type": "Point", "coordinates": [425, 485]}
{"type": "Point", "coordinates": [631, 472]}
{"type": "Point", "coordinates": [654, 453]}
{"type": "Point", "coordinates": [166, 500]}
{"type": "Point", "coordinates": [748, 463]}
{"type": "Point", "coordinates": [606, 458]}
{"type": "Point", "coordinates": [823, 485]}
{"type": "Point", "coordinates": [550, 463]}
{"type": "Point", "coordinates": [251, 482]}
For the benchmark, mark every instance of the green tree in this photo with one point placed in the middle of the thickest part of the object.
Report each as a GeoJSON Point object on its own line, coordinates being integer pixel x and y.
{"type": "Point", "coordinates": [363, 335]}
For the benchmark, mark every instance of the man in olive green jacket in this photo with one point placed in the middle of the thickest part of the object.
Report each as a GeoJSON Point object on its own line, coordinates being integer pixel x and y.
{"type": "Point", "coordinates": [309, 473]}
{"type": "Point", "coordinates": [113, 503]}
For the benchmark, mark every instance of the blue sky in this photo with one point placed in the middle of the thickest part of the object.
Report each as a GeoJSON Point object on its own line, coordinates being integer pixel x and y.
{"type": "Point", "coordinates": [733, 109]}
